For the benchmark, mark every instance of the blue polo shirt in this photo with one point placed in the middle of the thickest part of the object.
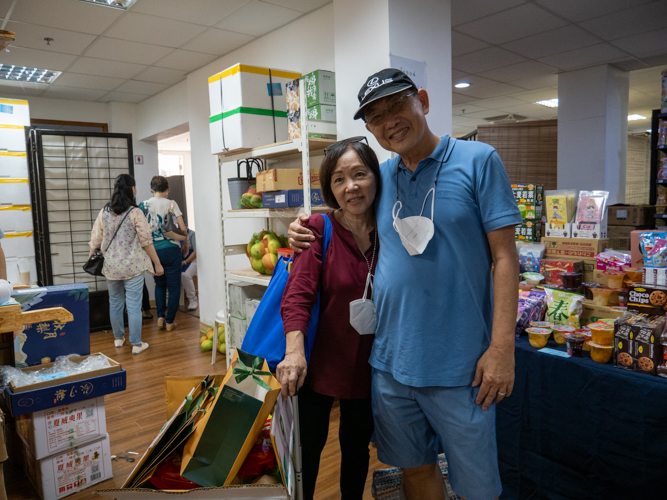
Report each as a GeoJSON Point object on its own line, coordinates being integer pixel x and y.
{"type": "Point", "coordinates": [435, 310]}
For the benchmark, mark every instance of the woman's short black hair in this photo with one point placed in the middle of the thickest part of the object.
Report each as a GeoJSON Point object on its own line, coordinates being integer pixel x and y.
{"type": "Point", "coordinates": [122, 197]}
{"type": "Point", "coordinates": [334, 152]}
{"type": "Point", "coordinates": [159, 184]}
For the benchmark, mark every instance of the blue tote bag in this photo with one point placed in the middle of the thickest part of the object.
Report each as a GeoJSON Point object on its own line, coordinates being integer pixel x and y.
{"type": "Point", "coordinates": [265, 336]}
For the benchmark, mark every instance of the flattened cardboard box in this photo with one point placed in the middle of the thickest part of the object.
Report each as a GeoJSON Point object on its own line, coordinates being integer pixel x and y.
{"type": "Point", "coordinates": [630, 215]}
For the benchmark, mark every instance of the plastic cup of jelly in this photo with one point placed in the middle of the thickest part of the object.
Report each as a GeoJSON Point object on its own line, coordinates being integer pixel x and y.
{"type": "Point", "coordinates": [538, 337]}
{"type": "Point", "coordinates": [615, 278]}
{"type": "Point", "coordinates": [600, 353]}
{"type": "Point", "coordinates": [575, 343]}
{"type": "Point", "coordinates": [602, 334]}
{"type": "Point", "coordinates": [571, 281]}
{"type": "Point", "coordinates": [601, 296]}
{"type": "Point", "coordinates": [547, 325]}
{"type": "Point", "coordinates": [560, 332]}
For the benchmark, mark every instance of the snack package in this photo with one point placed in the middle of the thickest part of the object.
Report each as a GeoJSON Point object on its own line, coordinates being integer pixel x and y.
{"type": "Point", "coordinates": [530, 255]}
{"type": "Point", "coordinates": [611, 259]}
{"type": "Point", "coordinates": [559, 207]}
{"type": "Point", "coordinates": [662, 132]}
{"type": "Point", "coordinates": [663, 96]}
{"type": "Point", "coordinates": [637, 342]}
{"type": "Point", "coordinates": [564, 308]}
{"type": "Point", "coordinates": [647, 299]}
{"type": "Point", "coordinates": [591, 208]}
{"type": "Point", "coordinates": [654, 248]}
{"type": "Point", "coordinates": [531, 308]}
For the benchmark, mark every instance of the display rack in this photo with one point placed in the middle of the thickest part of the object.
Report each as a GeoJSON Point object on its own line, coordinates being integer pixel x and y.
{"type": "Point", "coordinates": [298, 148]}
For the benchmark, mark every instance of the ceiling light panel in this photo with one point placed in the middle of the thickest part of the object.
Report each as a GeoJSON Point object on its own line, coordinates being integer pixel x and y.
{"type": "Point", "coordinates": [549, 103]}
{"type": "Point", "coordinates": [636, 117]}
{"type": "Point", "coordinates": [116, 4]}
{"type": "Point", "coordinates": [462, 85]}
{"type": "Point", "coordinates": [27, 74]}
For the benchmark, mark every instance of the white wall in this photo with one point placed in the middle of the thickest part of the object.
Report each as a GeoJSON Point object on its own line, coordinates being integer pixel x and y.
{"type": "Point", "coordinates": [64, 110]}
{"type": "Point", "coordinates": [281, 50]}
{"type": "Point", "coordinates": [163, 111]}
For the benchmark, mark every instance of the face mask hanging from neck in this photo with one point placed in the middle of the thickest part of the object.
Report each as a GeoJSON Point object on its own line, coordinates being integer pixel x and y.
{"type": "Point", "coordinates": [363, 316]}
{"type": "Point", "coordinates": [416, 231]}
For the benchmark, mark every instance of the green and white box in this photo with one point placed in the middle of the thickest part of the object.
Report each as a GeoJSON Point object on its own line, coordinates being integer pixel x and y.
{"type": "Point", "coordinates": [238, 293]}
{"type": "Point", "coordinates": [320, 88]}
{"type": "Point", "coordinates": [322, 112]}
{"type": "Point", "coordinates": [247, 105]}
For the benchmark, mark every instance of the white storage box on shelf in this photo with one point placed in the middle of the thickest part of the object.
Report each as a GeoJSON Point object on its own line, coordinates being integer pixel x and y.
{"type": "Point", "coordinates": [14, 112]}
{"type": "Point", "coordinates": [12, 137]}
{"type": "Point", "coordinates": [18, 244]}
{"type": "Point", "coordinates": [62, 474]}
{"type": "Point", "coordinates": [13, 165]}
{"type": "Point", "coordinates": [248, 107]}
{"type": "Point", "coordinates": [14, 191]}
{"type": "Point", "coordinates": [59, 429]}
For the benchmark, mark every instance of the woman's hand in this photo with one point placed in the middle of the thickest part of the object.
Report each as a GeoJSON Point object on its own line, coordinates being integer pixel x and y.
{"type": "Point", "coordinates": [291, 373]}
{"type": "Point", "coordinates": [159, 270]}
{"type": "Point", "coordinates": [298, 236]}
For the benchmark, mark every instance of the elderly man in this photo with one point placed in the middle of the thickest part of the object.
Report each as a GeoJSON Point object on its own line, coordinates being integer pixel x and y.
{"type": "Point", "coordinates": [444, 346]}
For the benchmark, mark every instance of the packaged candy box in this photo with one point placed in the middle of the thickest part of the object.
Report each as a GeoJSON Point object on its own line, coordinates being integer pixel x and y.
{"type": "Point", "coordinates": [637, 342]}
{"type": "Point", "coordinates": [528, 231]}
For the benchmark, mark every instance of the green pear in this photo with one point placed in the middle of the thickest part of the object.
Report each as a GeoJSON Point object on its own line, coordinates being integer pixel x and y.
{"type": "Point", "coordinates": [255, 251]}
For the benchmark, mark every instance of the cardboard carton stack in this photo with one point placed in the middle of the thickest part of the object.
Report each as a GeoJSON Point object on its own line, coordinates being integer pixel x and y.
{"type": "Point", "coordinates": [623, 220]}
{"type": "Point", "coordinates": [320, 87]}
{"type": "Point", "coordinates": [243, 302]}
{"type": "Point", "coordinates": [283, 187]}
{"type": "Point", "coordinates": [529, 199]}
{"type": "Point", "coordinates": [15, 210]}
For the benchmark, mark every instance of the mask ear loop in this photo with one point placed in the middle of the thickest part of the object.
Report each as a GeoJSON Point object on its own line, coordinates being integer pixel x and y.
{"type": "Point", "coordinates": [432, 190]}
{"type": "Point", "coordinates": [368, 281]}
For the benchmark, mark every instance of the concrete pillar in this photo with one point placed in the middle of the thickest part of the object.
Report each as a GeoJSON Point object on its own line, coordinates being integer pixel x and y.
{"type": "Point", "coordinates": [593, 130]}
{"type": "Point", "coordinates": [368, 33]}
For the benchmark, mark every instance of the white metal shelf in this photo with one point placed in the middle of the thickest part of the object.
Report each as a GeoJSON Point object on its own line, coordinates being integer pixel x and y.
{"type": "Point", "coordinates": [276, 150]}
{"type": "Point", "coordinates": [248, 275]}
{"type": "Point", "coordinates": [271, 213]}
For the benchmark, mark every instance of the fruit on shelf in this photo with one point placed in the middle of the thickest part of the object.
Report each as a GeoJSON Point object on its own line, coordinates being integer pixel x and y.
{"type": "Point", "coordinates": [262, 251]}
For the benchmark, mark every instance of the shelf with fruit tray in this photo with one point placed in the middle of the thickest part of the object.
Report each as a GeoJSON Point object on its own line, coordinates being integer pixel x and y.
{"type": "Point", "coordinates": [301, 148]}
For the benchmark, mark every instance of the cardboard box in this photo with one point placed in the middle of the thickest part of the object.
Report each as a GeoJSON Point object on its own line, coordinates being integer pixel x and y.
{"type": "Point", "coordinates": [59, 429]}
{"type": "Point", "coordinates": [65, 390]}
{"type": "Point", "coordinates": [7, 355]}
{"type": "Point", "coordinates": [13, 165]}
{"type": "Point", "coordinates": [282, 179]}
{"type": "Point", "coordinates": [573, 247]}
{"type": "Point", "coordinates": [593, 313]}
{"type": "Point", "coordinates": [320, 87]}
{"type": "Point", "coordinates": [15, 191]}
{"type": "Point", "coordinates": [319, 129]}
{"type": "Point", "coordinates": [589, 270]}
{"type": "Point", "coordinates": [12, 137]}
{"type": "Point", "coordinates": [589, 230]}
{"type": "Point", "coordinates": [624, 345]}
{"type": "Point", "coordinates": [235, 334]}
{"type": "Point", "coordinates": [550, 268]}
{"type": "Point", "coordinates": [239, 292]}
{"type": "Point", "coordinates": [247, 107]}
{"type": "Point", "coordinates": [630, 215]}
{"type": "Point", "coordinates": [251, 306]}
{"type": "Point", "coordinates": [14, 112]}
{"type": "Point", "coordinates": [62, 474]}
{"type": "Point", "coordinates": [290, 198]}
{"type": "Point", "coordinates": [528, 193]}
{"type": "Point", "coordinates": [44, 342]}
{"type": "Point", "coordinates": [647, 299]}
{"type": "Point", "coordinates": [528, 231]}
{"type": "Point", "coordinates": [322, 112]}
{"type": "Point", "coordinates": [647, 346]}
{"type": "Point", "coordinates": [616, 243]}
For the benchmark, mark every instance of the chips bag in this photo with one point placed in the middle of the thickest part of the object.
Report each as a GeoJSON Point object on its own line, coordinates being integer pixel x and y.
{"type": "Point", "coordinates": [564, 308]}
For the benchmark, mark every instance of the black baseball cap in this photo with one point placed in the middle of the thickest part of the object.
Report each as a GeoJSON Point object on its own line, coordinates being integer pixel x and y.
{"type": "Point", "coordinates": [381, 84]}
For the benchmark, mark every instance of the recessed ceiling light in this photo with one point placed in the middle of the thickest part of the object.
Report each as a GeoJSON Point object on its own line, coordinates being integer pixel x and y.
{"type": "Point", "coordinates": [27, 74]}
{"type": "Point", "coordinates": [116, 4]}
{"type": "Point", "coordinates": [462, 85]}
{"type": "Point", "coordinates": [636, 117]}
{"type": "Point", "coordinates": [549, 103]}
{"type": "Point", "coordinates": [649, 130]}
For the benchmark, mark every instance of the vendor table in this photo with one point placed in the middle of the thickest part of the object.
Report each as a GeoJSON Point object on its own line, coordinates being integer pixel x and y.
{"type": "Point", "coordinates": [576, 429]}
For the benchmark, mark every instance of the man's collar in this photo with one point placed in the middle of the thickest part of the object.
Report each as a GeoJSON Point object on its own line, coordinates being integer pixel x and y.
{"type": "Point", "coordinates": [439, 153]}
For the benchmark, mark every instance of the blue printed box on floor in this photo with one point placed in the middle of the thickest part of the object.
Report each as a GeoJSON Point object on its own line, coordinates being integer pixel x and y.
{"type": "Point", "coordinates": [290, 198]}
{"type": "Point", "coordinates": [43, 342]}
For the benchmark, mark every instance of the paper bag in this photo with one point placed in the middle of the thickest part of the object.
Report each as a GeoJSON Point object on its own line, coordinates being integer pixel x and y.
{"type": "Point", "coordinates": [218, 447]}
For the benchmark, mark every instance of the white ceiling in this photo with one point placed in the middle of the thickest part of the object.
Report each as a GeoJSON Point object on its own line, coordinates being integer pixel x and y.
{"type": "Point", "coordinates": [108, 54]}
{"type": "Point", "coordinates": [511, 51]}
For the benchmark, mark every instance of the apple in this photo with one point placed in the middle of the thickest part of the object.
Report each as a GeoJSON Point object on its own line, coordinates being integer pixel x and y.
{"type": "Point", "coordinates": [255, 251]}
{"type": "Point", "coordinates": [258, 266]}
{"type": "Point", "coordinates": [269, 260]}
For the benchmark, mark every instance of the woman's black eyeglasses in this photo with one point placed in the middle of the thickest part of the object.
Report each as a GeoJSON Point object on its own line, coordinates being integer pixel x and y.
{"type": "Point", "coordinates": [345, 142]}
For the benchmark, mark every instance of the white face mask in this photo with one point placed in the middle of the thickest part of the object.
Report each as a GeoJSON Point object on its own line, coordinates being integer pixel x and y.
{"type": "Point", "coordinates": [363, 316]}
{"type": "Point", "coordinates": [416, 231]}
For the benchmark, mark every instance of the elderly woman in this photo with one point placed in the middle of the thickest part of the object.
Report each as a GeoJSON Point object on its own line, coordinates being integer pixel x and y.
{"type": "Point", "coordinates": [350, 178]}
{"type": "Point", "coordinates": [121, 230]}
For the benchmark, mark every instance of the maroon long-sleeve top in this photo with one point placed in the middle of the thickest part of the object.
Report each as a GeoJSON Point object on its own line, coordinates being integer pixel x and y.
{"type": "Point", "coordinates": [339, 360]}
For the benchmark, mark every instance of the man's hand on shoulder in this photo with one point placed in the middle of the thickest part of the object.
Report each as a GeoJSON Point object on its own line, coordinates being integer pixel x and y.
{"type": "Point", "coordinates": [298, 236]}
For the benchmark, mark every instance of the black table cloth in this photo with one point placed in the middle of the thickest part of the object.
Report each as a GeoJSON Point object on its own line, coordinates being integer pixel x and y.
{"type": "Point", "coordinates": [575, 429]}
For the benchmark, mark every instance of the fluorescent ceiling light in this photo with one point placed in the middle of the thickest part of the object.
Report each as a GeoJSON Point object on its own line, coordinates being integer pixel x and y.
{"type": "Point", "coordinates": [549, 103]}
{"type": "Point", "coordinates": [462, 85]}
{"type": "Point", "coordinates": [26, 74]}
{"type": "Point", "coordinates": [636, 117]}
{"type": "Point", "coordinates": [116, 4]}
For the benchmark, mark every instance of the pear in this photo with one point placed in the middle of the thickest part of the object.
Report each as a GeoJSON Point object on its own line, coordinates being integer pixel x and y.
{"type": "Point", "coordinates": [255, 250]}
{"type": "Point", "coordinates": [207, 345]}
{"type": "Point", "coordinates": [258, 266]}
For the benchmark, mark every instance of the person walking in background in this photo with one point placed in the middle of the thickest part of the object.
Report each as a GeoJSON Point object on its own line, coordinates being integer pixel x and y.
{"type": "Point", "coordinates": [122, 232]}
{"type": "Point", "coordinates": [168, 250]}
{"type": "Point", "coordinates": [189, 271]}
